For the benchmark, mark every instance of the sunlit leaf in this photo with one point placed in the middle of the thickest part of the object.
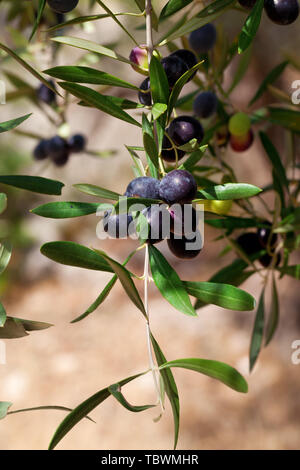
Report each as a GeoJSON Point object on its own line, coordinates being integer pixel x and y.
{"type": "Point", "coordinates": [93, 190]}
{"type": "Point", "coordinates": [65, 210]}
{"type": "Point", "coordinates": [224, 295]}
{"type": "Point", "coordinates": [73, 254]}
{"type": "Point", "coordinates": [168, 282]}
{"type": "Point", "coordinates": [36, 184]}
{"type": "Point", "coordinates": [251, 26]}
{"type": "Point", "coordinates": [91, 46]}
{"type": "Point", "coordinates": [228, 191]}
{"type": "Point", "coordinates": [215, 369]}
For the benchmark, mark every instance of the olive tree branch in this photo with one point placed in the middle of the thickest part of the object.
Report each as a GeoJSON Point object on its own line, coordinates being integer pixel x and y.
{"type": "Point", "coordinates": [149, 43]}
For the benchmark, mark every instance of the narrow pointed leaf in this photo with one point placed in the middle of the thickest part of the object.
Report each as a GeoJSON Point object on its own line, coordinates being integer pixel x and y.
{"type": "Point", "coordinates": [140, 4]}
{"type": "Point", "coordinates": [293, 271]}
{"type": "Point", "coordinates": [122, 103]}
{"type": "Point", "coordinates": [206, 15]}
{"type": "Point", "coordinates": [160, 94]}
{"type": "Point", "coordinates": [100, 299]}
{"type": "Point", "coordinates": [99, 101]}
{"type": "Point", "coordinates": [83, 410]}
{"type": "Point", "coordinates": [79, 74]}
{"type": "Point", "coordinates": [126, 281]}
{"type": "Point", "coordinates": [45, 407]}
{"type": "Point", "coordinates": [4, 406]}
{"type": "Point", "coordinates": [288, 118]}
{"type": "Point", "coordinates": [274, 158]}
{"type": "Point", "coordinates": [104, 294]}
{"type": "Point", "coordinates": [215, 369]}
{"type": "Point", "coordinates": [168, 282]}
{"type": "Point", "coordinates": [8, 125]}
{"type": "Point", "coordinates": [18, 327]}
{"type": "Point", "coordinates": [73, 254]}
{"type": "Point", "coordinates": [172, 7]}
{"type": "Point", "coordinates": [36, 184]}
{"type": "Point", "coordinates": [179, 85]}
{"type": "Point", "coordinates": [234, 274]}
{"type": "Point", "coordinates": [151, 149]}
{"type": "Point", "coordinates": [258, 331]}
{"type": "Point", "coordinates": [12, 329]}
{"type": "Point", "coordinates": [91, 47]}
{"type": "Point", "coordinates": [5, 254]}
{"type": "Point", "coordinates": [41, 7]}
{"type": "Point", "coordinates": [231, 223]}
{"type": "Point", "coordinates": [77, 20]}
{"type": "Point", "coordinates": [147, 129]}
{"type": "Point", "coordinates": [273, 319]}
{"type": "Point", "coordinates": [159, 82]}
{"type": "Point", "coordinates": [251, 26]}
{"type": "Point", "coordinates": [28, 67]}
{"type": "Point", "coordinates": [228, 191]}
{"type": "Point", "coordinates": [65, 210]}
{"type": "Point", "coordinates": [158, 109]}
{"type": "Point", "coordinates": [242, 68]}
{"type": "Point", "coordinates": [2, 315]}
{"type": "Point", "coordinates": [223, 295]}
{"type": "Point", "coordinates": [118, 395]}
{"type": "Point", "coordinates": [114, 17]}
{"type": "Point", "coordinates": [93, 190]}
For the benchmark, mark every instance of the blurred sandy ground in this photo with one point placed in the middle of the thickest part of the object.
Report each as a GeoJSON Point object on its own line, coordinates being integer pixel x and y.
{"type": "Point", "coordinates": [67, 363]}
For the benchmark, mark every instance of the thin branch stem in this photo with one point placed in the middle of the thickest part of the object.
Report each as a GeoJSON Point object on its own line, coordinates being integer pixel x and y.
{"type": "Point", "coordinates": [146, 304]}
{"type": "Point", "coordinates": [149, 36]}
{"type": "Point", "coordinates": [155, 372]}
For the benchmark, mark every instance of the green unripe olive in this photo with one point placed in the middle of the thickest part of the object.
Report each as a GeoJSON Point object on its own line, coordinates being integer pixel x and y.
{"type": "Point", "coordinates": [239, 124]}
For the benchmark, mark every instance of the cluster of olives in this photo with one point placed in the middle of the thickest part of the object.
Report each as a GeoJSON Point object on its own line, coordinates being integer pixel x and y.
{"type": "Point", "coordinates": [253, 242]}
{"type": "Point", "coordinates": [175, 65]}
{"type": "Point", "coordinates": [184, 128]}
{"type": "Point", "coordinates": [59, 149]}
{"type": "Point", "coordinates": [62, 6]}
{"type": "Point", "coordinates": [281, 12]}
{"type": "Point", "coordinates": [174, 219]}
